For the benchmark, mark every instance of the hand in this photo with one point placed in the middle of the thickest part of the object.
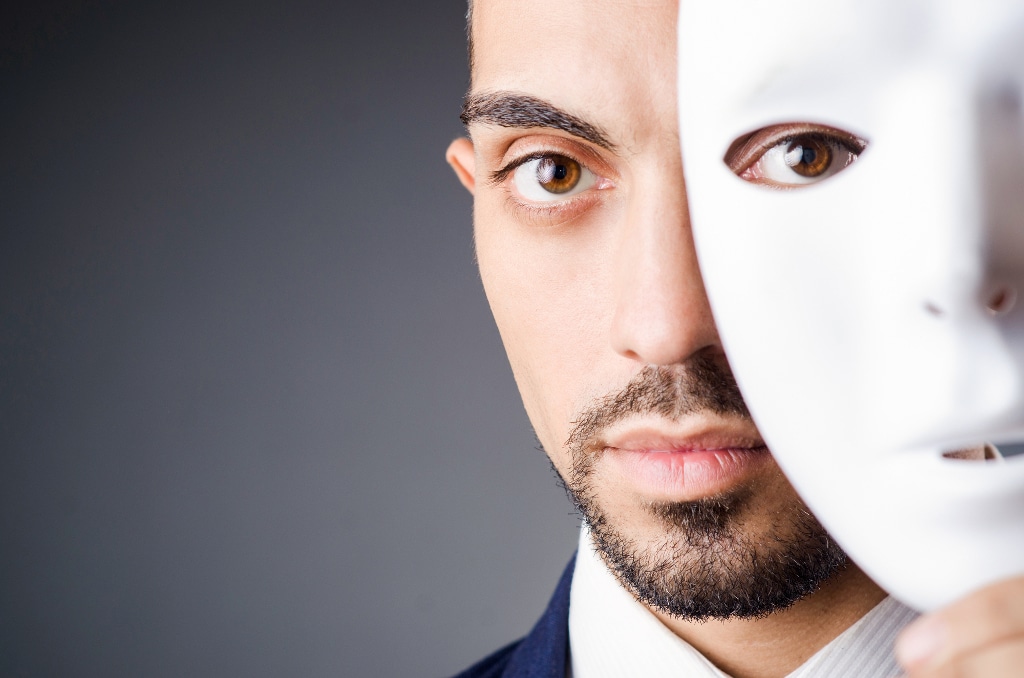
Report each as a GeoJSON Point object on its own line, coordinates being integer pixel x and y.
{"type": "Point", "coordinates": [981, 635]}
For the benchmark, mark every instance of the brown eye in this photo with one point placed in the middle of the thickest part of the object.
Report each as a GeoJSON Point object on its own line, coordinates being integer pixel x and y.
{"type": "Point", "coordinates": [558, 174]}
{"type": "Point", "coordinates": [808, 155]}
{"type": "Point", "coordinates": [793, 154]}
{"type": "Point", "coordinates": [548, 178]}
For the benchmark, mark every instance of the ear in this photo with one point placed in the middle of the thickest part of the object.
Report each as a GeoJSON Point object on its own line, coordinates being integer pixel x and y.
{"type": "Point", "coordinates": [461, 157]}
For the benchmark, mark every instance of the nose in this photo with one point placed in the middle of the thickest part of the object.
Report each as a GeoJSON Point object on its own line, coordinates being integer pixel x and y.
{"type": "Point", "coordinates": [661, 316]}
{"type": "Point", "coordinates": [985, 197]}
{"type": "Point", "coordinates": [963, 201]}
{"type": "Point", "coordinates": [1000, 133]}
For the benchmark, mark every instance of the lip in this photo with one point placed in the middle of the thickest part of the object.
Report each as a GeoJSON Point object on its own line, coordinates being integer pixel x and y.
{"type": "Point", "coordinates": [685, 463]}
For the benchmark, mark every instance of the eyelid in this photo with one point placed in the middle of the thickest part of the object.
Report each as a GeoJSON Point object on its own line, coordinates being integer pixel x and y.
{"type": "Point", "coordinates": [544, 145]}
{"type": "Point", "coordinates": [749, 148]}
{"type": "Point", "coordinates": [499, 175]}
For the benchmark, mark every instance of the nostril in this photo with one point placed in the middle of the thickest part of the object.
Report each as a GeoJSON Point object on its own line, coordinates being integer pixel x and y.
{"type": "Point", "coordinates": [933, 309]}
{"type": "Point", "coordinates": [1001, 300]}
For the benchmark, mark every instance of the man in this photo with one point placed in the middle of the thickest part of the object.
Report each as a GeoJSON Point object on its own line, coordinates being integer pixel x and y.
{"type": "Point", "coordinates": [698, 557]}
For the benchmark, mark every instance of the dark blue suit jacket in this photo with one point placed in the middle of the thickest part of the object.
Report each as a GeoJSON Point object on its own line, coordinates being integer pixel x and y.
{"type": "Point", "coordinates": [543, 653]}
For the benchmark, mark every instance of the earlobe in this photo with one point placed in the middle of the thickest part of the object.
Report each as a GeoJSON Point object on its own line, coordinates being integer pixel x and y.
{"type": "Point", "coordinates": [461, 157]}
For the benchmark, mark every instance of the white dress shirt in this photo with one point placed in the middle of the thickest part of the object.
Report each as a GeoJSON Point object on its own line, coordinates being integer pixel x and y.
{"type": "Point", "coordinates": [611, 635]}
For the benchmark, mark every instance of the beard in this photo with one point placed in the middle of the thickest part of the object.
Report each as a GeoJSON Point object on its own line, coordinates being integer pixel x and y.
{"type": "Point", "coordinates": [709, 559]}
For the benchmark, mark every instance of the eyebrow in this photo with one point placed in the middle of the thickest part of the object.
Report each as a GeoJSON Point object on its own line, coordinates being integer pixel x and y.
{"type": "Point", "coordinates": [522, 111]}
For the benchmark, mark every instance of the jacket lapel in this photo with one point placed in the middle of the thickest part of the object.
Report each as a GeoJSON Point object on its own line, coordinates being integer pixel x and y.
{"type": "Point", "coordinates": [543, 653]}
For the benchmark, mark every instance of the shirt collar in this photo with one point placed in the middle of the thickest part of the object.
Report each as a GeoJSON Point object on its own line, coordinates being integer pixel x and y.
{"type": "Point", "coordinates": [612, 634]}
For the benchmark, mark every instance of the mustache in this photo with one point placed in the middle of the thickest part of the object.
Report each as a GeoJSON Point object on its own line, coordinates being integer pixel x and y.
{"type": "Point", "coordinates": [700, 385]}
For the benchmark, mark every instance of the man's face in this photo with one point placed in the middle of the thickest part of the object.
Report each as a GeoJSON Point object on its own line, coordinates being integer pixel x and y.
{"type": "Point", "coordinates": [869, 312]}
{"type": "Point", "coordinates": [584, 246]}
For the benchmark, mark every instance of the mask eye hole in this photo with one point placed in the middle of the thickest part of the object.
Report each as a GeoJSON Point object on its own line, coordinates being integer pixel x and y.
{"type": "Point", "coordinates": [793, 155]}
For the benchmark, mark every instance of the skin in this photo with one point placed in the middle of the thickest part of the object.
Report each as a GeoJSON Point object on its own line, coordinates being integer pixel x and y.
{"type": "Point", "coordinates": [980, 635]}
{"type": "Point", "coordinates": [590, 289]}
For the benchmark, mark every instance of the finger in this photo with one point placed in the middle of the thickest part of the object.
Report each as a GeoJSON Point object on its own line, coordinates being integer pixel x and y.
{"type": "Point", "coordinates": [1005, 660]}
{"type": "Point", "coordinates": [985, 617]}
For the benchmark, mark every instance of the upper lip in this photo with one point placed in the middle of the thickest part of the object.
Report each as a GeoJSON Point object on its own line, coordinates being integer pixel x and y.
{"type": "Point", "coordinates": [645, 434]}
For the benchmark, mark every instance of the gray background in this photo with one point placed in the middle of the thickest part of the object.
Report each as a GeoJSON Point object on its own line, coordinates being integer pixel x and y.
{"type": "Point", "coordinates": [255, 419]}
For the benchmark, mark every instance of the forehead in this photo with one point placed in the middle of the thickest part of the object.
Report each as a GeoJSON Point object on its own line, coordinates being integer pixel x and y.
{"type": "Point", "coordinates": [762, 50]}
{"type": "Point", "coordinates": [603, 58]}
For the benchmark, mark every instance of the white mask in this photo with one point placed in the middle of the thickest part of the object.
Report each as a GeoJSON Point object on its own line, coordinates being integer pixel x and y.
{"type": "Point", "coordinates": [869, 313]}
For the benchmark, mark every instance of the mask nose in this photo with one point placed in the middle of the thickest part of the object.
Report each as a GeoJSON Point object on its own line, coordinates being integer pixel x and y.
{"type": "Point", "coordinates": [1000, 134]}
{"type": "Point", "coordinates": [983, 201]}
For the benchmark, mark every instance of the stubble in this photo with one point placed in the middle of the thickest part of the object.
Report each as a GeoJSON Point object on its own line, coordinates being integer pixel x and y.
{"type": "Point", "coordinates": [707, 562]}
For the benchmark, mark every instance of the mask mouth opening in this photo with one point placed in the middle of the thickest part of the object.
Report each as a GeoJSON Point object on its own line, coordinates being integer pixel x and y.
{"type": "Point", "coordinates": [985, 451]}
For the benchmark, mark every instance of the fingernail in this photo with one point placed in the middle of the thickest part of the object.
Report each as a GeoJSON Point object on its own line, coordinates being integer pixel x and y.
{"type": "Point", "coordinates": [920, 642]}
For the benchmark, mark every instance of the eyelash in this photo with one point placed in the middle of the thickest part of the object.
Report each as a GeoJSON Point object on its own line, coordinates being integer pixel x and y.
{"type": "Point", "coordinates": [555, 212]}
{"type": "Point", "coordinates": [498, 176]}
{"type": "Point", "coordinates": [852, 143]}
{"type": "Point", "coordinates": [855, 144]}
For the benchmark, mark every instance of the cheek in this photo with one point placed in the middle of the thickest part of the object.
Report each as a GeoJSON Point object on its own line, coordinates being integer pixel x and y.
{"type": "Point", "coordinates": [776, 497]}
{"type": "Point", "coordinates": [549, 311]}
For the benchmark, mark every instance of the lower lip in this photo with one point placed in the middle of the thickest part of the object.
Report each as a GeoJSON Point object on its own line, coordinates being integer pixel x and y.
{"type": "Point", "coordinates": [685, 475]}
